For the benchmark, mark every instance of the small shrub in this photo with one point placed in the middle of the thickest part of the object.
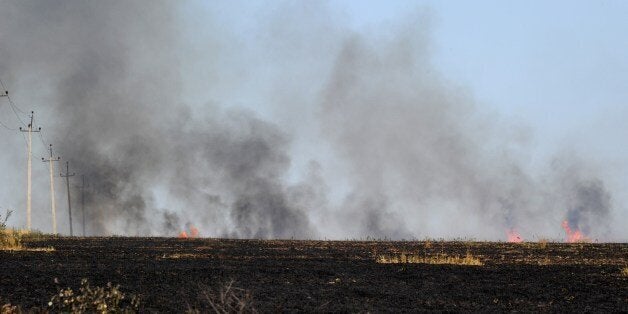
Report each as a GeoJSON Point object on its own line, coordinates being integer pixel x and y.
{"type": "Point", "coordinates": [10, 309]}
{"type": "Point", "coordinates": [89, 299]}
{"type": "Point", "coordinates": [227, 299]}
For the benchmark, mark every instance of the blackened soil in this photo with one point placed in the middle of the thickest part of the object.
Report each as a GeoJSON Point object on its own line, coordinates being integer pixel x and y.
{"type": "Point", "coordinates": [172, 275]}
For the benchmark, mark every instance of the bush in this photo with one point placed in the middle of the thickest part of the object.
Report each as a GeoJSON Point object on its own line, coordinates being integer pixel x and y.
{"type": "Point", "coordinates": [93, 300]}
{"type": "Point", "coordinates": [227, 299]}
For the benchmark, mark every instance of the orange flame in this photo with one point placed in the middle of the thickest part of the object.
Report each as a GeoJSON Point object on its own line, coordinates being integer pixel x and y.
{"type": "Point", "coordinates": [193, 233]}
{"type": "Point", "coordinates": [514, 236]}
{"type": "Point", "coordinates": [573, 235]}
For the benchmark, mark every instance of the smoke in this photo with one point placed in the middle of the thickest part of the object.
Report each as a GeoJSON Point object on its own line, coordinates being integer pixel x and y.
{"type": "Point", "coordinates": [394, 150]}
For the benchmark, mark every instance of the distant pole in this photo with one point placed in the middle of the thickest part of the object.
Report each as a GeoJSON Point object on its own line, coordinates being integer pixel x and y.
{"type": "Point", "coordinates": [83, 202]}
{"type": "Point", "coordinates": [28, 171]}
{"type": "Point", "coordinates": [51, 160]}
{"type": "Point", "coordinates": [67, 176]}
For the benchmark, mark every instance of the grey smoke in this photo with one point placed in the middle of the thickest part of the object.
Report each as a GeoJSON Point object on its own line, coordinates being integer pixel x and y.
{"type": "Point", "coordinates": [415, 154]}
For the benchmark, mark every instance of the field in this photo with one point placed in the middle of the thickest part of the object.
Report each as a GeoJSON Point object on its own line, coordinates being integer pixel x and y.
{"type": "Point", "coordinates": [175, 275]}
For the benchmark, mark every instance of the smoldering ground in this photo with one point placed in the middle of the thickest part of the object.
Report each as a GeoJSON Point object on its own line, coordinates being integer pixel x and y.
{"type": "Point", "coordinates": [411, 153]}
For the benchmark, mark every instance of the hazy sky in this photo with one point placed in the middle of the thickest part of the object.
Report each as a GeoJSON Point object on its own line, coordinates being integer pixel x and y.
{"type": "Point", "coordinates": [549, 77]}
{"type": "Point", "coordinates": [556, 68]}
{"type": "Point", "coordinates": [561, 67]}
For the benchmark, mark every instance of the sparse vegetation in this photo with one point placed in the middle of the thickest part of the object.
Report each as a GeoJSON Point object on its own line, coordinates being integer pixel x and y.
{"type": "Point", "coordinates": [428, 243]}
{"type": "Point", "coordinates": [89, 299]}
{"type": "Point", "coordinates": [10, 239]}
{"type": "Point", "coordinates": [321, 276]}
{"type": "Point", "coordinates": [3, 222]}
{"type": "Point", "coordinates": [226, 299]}
{"type": "Point", "coordinates": [543, 243]}
{"type": "Point", "coordinates": [404, 258]}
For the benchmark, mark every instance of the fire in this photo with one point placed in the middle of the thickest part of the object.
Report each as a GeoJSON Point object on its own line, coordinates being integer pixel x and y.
{"type": "Point", "coordinates": [193, 233]}
{"type": "Point", "coordinates": [573, 235]}
{"type": "Point", "coordinates": [514, 236]}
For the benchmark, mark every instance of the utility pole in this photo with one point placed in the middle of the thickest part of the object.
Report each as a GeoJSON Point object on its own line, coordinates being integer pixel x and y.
{"type": "Point", "coordinates": [67, 176]}
{"type": "Point", "coordinates": [83, 202]}
{"type": "Point", "coordinates": [28, 180]}
{"type": "Point", "coordinates": [51, 160]}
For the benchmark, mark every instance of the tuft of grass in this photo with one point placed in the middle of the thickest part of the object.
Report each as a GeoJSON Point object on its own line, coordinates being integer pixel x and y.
{"type": "Point", "coordinates": [428, 244]}
{"type": "Point", "coordinates": [624, 271]}
{"type": "Point", "coordinates": [10, 239]}
{"type": "Point", "coordinates": [438, 259]}
{"type": "Point", "coordinates": [543, 243]}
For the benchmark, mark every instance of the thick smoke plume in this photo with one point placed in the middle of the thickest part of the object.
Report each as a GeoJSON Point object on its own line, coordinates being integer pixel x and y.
{"type": "Point", "coordinates": [413, 155]}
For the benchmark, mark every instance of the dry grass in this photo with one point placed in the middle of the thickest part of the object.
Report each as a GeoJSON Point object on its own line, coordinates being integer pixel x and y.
{"type": "Point", "coordinates": [438, 259]}
{"type": "Point", "coordinates": [543, 243]}
{"type": "Point", "coordinates": [428, 244]}
{"type": "Point", "coordinates": [11, 239]}
{"type": "Point", "coordinates": [226, 299]}
{"type": "Point", "coordinates": [624, 271]}
{"type": "Point", "coordinates": [88, 299]}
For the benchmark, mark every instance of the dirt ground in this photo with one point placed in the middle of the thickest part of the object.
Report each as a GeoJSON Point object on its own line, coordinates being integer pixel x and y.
{"type": "Point", "coordinates": [171, 275]}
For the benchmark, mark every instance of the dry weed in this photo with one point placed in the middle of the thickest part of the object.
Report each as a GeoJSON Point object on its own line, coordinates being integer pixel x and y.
{"type": "Point", "coordinates": [438, 259]}
{"type": "Point", "coordinates": [227, 299]}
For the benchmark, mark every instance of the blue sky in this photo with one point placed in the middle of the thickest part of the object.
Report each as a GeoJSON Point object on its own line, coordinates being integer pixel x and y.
{"type": "Point", "coordinates": [560, 66]}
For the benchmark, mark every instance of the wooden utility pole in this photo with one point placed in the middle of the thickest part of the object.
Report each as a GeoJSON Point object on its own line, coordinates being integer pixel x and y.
{"type": "Point", "coordinates": [28, 175]}
{"type": "Point", "coordinates": [83, 202]}
{"type": "Point", "coordinates": [67, 176]}
{"type": "Point", "coordinates": [51, 160]}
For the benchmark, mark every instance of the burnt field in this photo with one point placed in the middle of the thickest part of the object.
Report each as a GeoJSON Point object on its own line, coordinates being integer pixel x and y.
{"type": "Point", "coordinates": [172, 275]}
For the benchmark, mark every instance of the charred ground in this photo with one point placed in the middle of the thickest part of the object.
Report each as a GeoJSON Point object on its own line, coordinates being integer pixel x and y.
{"type": "Point", "coordinates": [314, 276]}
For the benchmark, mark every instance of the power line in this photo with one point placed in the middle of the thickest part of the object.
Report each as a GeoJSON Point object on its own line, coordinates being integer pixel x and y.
{"type": "Point", "coordinates": [1, 123]}
{"type": "Point", "coordinates": [6, 127]}
{"type": "Point", "coordinates": [14, 107]}
{"type": "Point", "coordinates": [42, 139]}
{"type": "Point", "coordinates": [6, 92]}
